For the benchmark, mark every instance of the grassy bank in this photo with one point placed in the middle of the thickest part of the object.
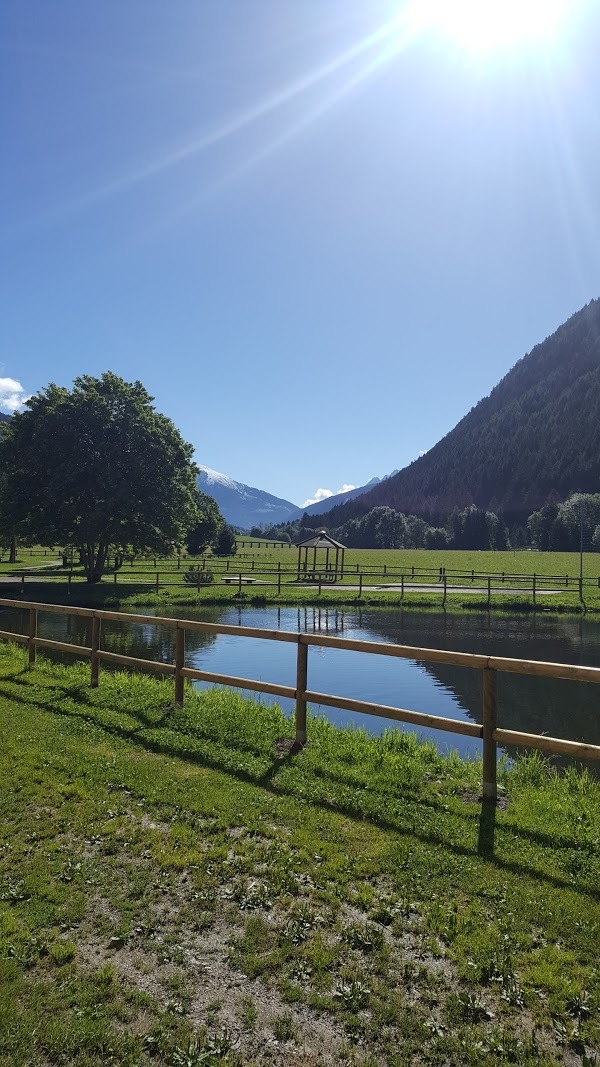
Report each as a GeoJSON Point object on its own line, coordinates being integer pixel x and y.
{"type": "Point", "coordinates": [176, 889]}
{"type": "Point", "coordinates": [108, 596]}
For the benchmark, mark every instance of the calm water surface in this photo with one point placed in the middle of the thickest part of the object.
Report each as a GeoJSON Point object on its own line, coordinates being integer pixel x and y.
{"type": "Point", "coordinates": [536, 705]}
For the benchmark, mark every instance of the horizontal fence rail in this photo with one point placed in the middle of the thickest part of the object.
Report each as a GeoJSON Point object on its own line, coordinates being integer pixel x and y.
{"type": "Point", "coordinates": [241, 575]}
{"type": "Point", "coordinates": [489, 732]}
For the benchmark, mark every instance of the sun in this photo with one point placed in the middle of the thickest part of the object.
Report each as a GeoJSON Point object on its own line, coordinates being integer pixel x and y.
{"type": "Point", "coordinates": [483, 26]}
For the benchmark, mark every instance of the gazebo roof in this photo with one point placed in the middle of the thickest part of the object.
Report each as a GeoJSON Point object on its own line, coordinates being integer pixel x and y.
{"type": "Point", "coordinates": [319, 540]}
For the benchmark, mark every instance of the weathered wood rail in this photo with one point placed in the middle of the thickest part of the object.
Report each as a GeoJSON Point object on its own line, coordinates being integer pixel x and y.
{"type": "Point", "coordinates": [488, 732]}
{"type": "Point", "coordinates": [238, 573]}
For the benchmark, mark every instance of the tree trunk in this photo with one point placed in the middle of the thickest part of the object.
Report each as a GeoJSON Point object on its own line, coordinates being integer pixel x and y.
{"type": "Point", "coordinates": [94, 559]}
{"type": "Point", "coordinates": [97, 557]}
{"type": "Point", "coordinates": [13, 550]}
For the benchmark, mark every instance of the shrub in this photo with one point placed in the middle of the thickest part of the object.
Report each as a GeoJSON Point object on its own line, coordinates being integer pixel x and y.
{"type": "Point", "coordinates": [197, 575]}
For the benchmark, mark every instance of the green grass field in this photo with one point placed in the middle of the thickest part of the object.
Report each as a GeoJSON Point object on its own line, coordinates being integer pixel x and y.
{"type": "Point", "coordinates": [177, 889]}
{"type": "Point", "coordinates": [513, 562]}
{"type": "Point", "coordinates": [558, 564]}
{"type": "Point", "coordinates": [137, 583]}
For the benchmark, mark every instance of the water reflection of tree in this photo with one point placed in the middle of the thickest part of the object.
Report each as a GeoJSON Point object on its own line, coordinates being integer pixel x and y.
{"type": "Point", "coordinates": [533, 705]}
{"type": "Point", "coordinates": [147, 641]}
{"type": "Point", "coordinates": [141, 640]}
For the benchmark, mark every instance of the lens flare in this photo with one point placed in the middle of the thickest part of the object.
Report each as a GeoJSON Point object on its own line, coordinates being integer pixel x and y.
{"type": "Point", "coordinates": [490, 25]}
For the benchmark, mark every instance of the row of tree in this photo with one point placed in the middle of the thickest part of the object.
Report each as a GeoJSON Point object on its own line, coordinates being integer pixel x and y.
{"type": "Point", "coordinates": [567, 527]}
{"type": "Point", "coordinates": [557, 527]}
{"type": "Point", "coordinates": [383, 527]}
{"type": "Point", "coordinates": [99, 469]}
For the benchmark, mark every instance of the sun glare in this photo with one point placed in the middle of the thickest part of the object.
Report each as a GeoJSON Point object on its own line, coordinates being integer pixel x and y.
{"type": "Point", "coordinates": [481, 26]}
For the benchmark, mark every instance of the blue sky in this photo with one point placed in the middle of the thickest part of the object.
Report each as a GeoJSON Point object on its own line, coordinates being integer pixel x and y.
{"type": "Point", "coordinates": [318, 231]}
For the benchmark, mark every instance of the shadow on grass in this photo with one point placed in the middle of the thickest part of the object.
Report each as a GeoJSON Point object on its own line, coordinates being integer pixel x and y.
{"type": "Point", "coordinates": [348, 807]}
{"type": "Point", "coordinates": [487, 830]}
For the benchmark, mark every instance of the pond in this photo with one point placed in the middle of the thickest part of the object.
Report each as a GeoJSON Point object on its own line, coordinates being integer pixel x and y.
{"type": "Point", "coordinates": [535, 705]}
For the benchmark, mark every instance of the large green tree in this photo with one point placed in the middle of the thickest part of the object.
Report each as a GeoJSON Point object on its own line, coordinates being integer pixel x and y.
{"type": "Point", "coordinates": [97, 467]}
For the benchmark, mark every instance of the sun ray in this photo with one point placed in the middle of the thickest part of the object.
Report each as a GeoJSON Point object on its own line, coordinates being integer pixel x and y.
{"type": "Point", "coordinates": [387, 39]}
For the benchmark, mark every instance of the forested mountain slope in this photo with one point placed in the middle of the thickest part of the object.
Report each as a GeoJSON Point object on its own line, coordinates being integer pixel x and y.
{"type": "Point", "coordinates": [535, 438]}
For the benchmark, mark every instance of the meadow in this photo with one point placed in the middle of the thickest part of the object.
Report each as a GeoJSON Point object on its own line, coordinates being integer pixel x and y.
{"type": "Point", "coordinates": [177, 888]}
{"type": "Point", "coordinates": [367, 572]}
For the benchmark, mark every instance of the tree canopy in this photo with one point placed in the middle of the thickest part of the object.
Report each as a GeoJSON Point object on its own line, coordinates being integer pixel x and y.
{"type": "Point", "coordinates": [97, 467]}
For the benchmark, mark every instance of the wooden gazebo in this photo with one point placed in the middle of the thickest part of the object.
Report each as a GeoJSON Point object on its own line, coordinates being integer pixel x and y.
{"type": "Point", "coordinates": [327, 569]}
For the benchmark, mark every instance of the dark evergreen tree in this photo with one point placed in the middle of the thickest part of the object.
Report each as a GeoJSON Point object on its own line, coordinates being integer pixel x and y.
{"type": "Point", "coordinates": [225, 542]}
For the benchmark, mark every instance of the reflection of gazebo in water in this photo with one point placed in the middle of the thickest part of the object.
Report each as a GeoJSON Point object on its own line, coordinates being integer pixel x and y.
{"type": "Point", "coordinates": [319, 568]}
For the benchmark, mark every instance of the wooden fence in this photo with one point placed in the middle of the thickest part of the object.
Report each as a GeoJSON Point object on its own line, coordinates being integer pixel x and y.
{"type": "Point", "coordinates": [488, 732]}
{"type": "Point", "coordinates": [239, 574]}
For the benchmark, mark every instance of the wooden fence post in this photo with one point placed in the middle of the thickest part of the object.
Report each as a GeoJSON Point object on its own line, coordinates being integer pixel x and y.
{"type": "Point", "coordinates": [360, 578]}
{"type": "Point", "coordinates": [32, 635]}
{"type": "Point", "coordinates": [23, 581]}
{"type": "Point", "coordinates": [445, 591]}
{"type": "Point", "coordinates": [95, 649]}
{"type": "Point", "coordinates": [402, 587]}
{"type": "Point", "coordinates": [533, 589]}
{"type": "Point", "coordinates": [489, 599]}
{"type": "Point", "coordinates": [240, 585]}
{"type": "Point", "coordinates": [490, 788]}
{"type": "Point", "coordinates": [157, 580]}
{"type": "Point", "coordinates": [301, 682]}
{"type": "Point", "coordinates": [179, 664]}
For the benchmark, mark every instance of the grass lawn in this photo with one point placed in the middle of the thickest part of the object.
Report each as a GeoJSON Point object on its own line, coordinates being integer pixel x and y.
{"type": "Point", "coordinates": [512, 562]}
{"type": "Point", "coordinates": [177, 889]}
{"type": "Point", "coordinates": [36, 556]}
{"type": "Point", "coordinates": [137, 584]}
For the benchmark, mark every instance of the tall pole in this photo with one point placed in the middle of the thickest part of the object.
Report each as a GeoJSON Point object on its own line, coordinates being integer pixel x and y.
{"type": "Point", "coordinates": [581, 557]}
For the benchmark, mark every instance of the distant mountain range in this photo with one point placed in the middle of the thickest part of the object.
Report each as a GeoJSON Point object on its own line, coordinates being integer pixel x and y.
{"type": "Point", "coordinates": [3, 417]}
{"type": "Point", "coordinates": [245, 506]}
{"type": "Point", "coordinates": [535, 439]}
{"type": "Point", "coordinates": [342, 498]}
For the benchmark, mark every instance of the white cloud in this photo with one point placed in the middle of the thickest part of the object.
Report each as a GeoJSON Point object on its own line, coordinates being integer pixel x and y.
{"type": "Point", "coordinates": [323, 494]}
{"type": "Point", "coordinates": [12, 395]}
{"type": "Point", "coordinates": [423, 452]}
